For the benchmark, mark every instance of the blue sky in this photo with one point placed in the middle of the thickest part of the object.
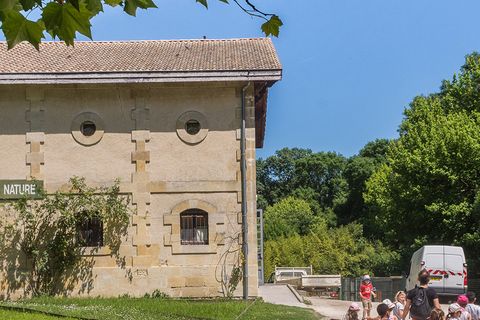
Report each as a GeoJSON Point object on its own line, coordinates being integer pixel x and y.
{"type": "Point", "coordinates": [350, 67]}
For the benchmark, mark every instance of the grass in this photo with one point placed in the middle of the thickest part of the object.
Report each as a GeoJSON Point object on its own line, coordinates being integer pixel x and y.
{"type": "Point", "coordinates": [153, 308]}
{"type": "Point", "coordinates": [14, 315]}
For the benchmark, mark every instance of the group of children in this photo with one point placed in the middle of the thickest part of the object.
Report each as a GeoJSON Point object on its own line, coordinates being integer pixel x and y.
{"type": "Point", "coordinates": [464, 309]}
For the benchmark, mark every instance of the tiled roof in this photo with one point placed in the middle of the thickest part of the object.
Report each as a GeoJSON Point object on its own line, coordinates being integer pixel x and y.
{"type": "Point", "coordinates": [140, 56]}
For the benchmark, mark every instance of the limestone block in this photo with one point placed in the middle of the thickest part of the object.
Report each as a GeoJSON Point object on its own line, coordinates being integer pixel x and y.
{"type": "Point", "coordinates": [141, 135]}
{"type": "Point", "coordinates": [220, 238]}
{"type": "Point", "coordinates": [36, 157]}
{"type": "Point", "coordinates": [141, 219]}
{"type": "Point", "coordinates": [194, 281]}
{"type": "Point", "coordinates": [138, 197]}
{"type": "Point", "coordinates": [176, 282]}
{"type": "Point", "coordinates": [144, 261]}
{"type": "Point", "coordinates": [194, 291]}
{"type": "Point", "coordinates": [105, 262]}
{"type": "Point", "coordinates": [170, 219]}
{"type": "Point", "coordinates": [140, 177]}
{"type": "Point", "coordinates": [141, 156]}
{"type": "Point", "coordinates": [153, 250]}
{"type": "Point", "coordinates": [167, 240]}
{"type": "Point", "coordinates": [126, 251]}
{"type": "Point", "coordinates": [35, 137]}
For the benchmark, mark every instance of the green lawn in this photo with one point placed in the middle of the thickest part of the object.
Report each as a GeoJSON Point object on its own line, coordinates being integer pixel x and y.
{"type": "Point", "coordinates": [152, 308]}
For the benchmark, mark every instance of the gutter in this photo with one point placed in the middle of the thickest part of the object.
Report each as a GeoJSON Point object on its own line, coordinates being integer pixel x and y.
{"type": "Point", "coordinates": [139, 77]}
{"type": "Point", "coordinates": [243, 170]}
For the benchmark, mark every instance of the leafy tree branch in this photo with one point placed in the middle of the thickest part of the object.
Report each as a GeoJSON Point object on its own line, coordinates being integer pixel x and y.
{"type": "Point", "coordinates": [64, 19]}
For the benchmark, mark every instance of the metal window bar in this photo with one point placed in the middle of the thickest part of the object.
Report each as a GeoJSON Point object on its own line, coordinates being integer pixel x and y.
{"type": "Point", "coordinates": [194, 227]}
{"type": "Point", "coordinates": [90, 232]}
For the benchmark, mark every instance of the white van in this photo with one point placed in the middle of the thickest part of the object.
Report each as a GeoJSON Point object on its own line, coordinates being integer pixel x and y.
{"type": "Point", "coordinates": [447, 267]}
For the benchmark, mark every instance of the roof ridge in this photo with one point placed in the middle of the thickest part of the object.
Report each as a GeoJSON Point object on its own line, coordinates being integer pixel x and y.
{"type": "Point", "coordinates": [157, 40]}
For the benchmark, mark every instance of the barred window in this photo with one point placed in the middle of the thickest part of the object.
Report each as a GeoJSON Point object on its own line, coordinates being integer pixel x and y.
{"type": "Point", "coordinates": [194, 226]}
{"type": "Point", "coordinates": [89, 232]}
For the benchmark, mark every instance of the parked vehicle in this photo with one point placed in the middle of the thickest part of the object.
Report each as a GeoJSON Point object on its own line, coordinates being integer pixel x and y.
{"type": "Point", "coordinates": [447, 267]}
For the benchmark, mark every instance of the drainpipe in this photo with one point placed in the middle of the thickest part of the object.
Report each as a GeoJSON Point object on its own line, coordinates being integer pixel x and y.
{"type": "Point", "coordinates": [243, 170]}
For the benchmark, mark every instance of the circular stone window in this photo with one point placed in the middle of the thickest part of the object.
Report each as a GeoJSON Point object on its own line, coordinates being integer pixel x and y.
{"type": "Point", "coordinates": [87, 128]}
{"type": "Point", "coordinates": [192, 127]}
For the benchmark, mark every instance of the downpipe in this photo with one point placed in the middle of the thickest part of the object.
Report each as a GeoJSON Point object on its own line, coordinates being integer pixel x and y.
{"type": "Point", "coordinates": [243, 170]}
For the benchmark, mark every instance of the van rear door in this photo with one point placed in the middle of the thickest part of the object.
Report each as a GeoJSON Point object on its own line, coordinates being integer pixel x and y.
{"type": "Point", "coordinates": [435, 265]}
{"type": "Point", "coordinates": [453, 277]}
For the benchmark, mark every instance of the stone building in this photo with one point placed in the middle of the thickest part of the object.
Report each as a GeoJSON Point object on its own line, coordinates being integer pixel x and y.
{"type": "Point", "coordinates": [164, 117]}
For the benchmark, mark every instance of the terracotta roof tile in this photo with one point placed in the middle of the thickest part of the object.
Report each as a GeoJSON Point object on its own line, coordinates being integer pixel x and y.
{"type": "Point", "coordinates": [140, 56]}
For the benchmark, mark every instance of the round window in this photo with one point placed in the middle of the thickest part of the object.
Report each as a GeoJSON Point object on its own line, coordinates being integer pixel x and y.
{"type": "Point", "coordinates": [192, 127]}
{"type": "Point", "coordinates": [88, 128]}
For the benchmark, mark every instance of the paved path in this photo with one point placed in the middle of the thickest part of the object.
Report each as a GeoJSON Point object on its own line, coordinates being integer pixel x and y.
{"type": "Point", "coordinates": [279, 294]}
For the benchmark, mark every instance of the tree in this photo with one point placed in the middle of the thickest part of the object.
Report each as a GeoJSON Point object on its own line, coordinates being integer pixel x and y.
{"type": "Point", "coordinates": [323, 172]}
{"type": "Point", "coordinates": [276, 177]}
{"type": "Point", "coordinates": [63, 19]}
{"type": "Point", "coordinates": [358, 170]}
{"type": "Point", "coordinates": [428, 189]}
{"type": "Point", "coordinates": [341, 250]}
{"type": "Point", "coordinates": [287, 217]}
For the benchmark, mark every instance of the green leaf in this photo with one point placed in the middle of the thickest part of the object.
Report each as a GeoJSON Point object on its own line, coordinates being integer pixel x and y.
{"type": "Point", "coordinates": [272, 26]}
{"type": "Point", "coordinates": [94, 6]}
{"type": "Point", "coordinates": [6, 5]}
{"type": "Point", "coordinates": [203, 2]}
{"type": "Point", "coordinates": [29, 4]}
{"type": "Point", "coordinates": [17, 29]}
{"type": "Point", "coordinates": [113, 3]}
{"type": "Point", "coordinates": [132, 5]}
{"type": "Point", "coordinates": [75, 4]}
{"type": "Point", "coordinates": [63, 21]}
{"type": "Point", "coordinates": [224, 1]}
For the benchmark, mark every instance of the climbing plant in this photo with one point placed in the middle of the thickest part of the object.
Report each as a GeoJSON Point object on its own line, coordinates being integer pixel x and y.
{"type": "Point", "coordinates": [42, 242]}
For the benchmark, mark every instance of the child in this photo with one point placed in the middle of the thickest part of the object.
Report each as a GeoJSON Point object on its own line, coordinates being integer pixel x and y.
{"type": "Point", "coordinates": [352, 313]}
{"type": "Point", "coordinates": [437, 314]}
{"type": "Point", "coordinates": [391, 307]}
{"type": "Point", "coordinates": [399, 304]}
{"type": "Point", "coordinates": [366, 293]}
{"type": "Point", "coordinates": [462, 300]}
{"type": "Point", "coordinates": [472, 308]}
{"type": "Point", "coordinates": [383, 312]}
{"type": "Point", "coordinates": [454, 312]}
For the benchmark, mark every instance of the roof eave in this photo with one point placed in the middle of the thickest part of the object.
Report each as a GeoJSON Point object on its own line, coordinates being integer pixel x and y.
{"type": "Point", "coordinates": [139, 77]}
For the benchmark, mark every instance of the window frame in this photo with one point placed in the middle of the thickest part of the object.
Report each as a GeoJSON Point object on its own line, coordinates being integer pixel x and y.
{"type": "Point", "coordinates": [198, 220]}
{"type": "Point", "coordinates": [86, 223]}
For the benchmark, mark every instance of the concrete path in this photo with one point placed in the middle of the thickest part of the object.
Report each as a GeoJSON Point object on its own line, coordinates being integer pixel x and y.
{"type": "Point", "coordinates": [279, 294]}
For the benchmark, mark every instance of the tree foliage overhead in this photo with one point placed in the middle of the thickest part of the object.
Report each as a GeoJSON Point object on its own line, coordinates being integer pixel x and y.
{"type": "Point", "coordinates": [429, 188]}
{"type": "Point", "coordinates": [63, 19]}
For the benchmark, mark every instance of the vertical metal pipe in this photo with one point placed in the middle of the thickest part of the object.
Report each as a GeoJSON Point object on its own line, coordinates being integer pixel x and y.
{"type": "Point", "coordinates": [243, 169]}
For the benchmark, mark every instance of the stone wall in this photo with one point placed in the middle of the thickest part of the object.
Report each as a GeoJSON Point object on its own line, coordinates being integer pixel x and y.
{"type": "Point", "coordinates": [140, 139]}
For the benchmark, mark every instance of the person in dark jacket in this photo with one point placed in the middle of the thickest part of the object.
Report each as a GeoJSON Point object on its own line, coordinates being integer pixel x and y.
{"type": "Point", "coordinates": [430, 293]}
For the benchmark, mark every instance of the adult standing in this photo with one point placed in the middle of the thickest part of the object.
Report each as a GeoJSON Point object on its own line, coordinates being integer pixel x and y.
{"type": "Point", "coordinates": [366, 293]}
{"type": "Point", "coordinates": [471, 307]}
{"type": "Point", "coordinates": [422, 299]}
